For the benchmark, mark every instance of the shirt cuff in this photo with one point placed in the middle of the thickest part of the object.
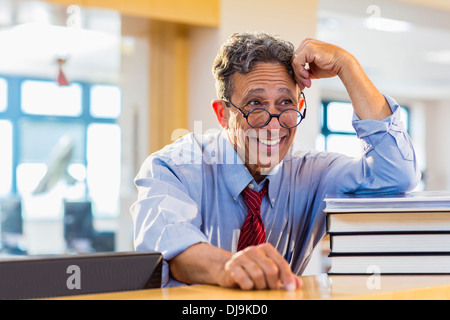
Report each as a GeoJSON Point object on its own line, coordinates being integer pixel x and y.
{"type": "Point", "coordinates": [373, 131]}
{"type": "Point", "coordinates": [368, 127]}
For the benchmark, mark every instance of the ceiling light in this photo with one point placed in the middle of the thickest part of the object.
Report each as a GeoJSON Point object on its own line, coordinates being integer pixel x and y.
{"type": "Point", "coordinates": [387, 25]}
{"type": "Point", "coordinates": [57, 40]}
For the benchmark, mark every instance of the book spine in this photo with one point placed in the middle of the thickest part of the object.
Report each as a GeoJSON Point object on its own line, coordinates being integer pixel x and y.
{"type": "Point", "coordinates": [356, 249]}
{"type": "Point", "coordinates": [389, 254]}
{"type": "Point", "coordinates": [376, 265]}
{"type": "Point", "coordinates": [427, 222]}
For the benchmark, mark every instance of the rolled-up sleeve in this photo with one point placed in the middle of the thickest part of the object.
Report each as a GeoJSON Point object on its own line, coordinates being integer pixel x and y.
{"type": "Point", "coordinates": [165, 218]}
{"type": "Point", "coordinates": [388, 163]}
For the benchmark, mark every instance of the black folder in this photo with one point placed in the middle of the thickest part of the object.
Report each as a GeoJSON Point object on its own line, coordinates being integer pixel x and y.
{"type": "Point", "coordinates": [65, 275]}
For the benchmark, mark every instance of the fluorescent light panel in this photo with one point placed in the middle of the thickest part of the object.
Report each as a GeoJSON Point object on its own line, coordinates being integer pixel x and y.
{"type": "Point", "coordinates": [387, 25]}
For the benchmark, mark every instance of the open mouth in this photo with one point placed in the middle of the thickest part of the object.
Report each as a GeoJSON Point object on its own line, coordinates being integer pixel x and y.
{"type": "Point", "coordinates": [271, 143]}
{"type": "Point", "coordinates": [265, 152]}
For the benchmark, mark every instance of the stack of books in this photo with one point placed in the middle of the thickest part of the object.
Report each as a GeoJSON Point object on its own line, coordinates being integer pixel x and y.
{"type": "Point", "coordinates": [391, 234]}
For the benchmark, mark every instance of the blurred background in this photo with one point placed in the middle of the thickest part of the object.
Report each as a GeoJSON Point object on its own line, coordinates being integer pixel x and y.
{"type": "Point", "coordinates": [89, 88]}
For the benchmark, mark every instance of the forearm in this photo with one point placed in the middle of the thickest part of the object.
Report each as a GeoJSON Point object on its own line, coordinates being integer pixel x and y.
{"type": "Point", "coordinates": [256, 267]}
{"type": "Point", "coordinates": [389, 163]}
{"type": "Point", "coordinates": [367, 101]}
{"type": "Point", "coordinates": [326, 61]}
{"type": "Point", "coordinates": [201, 263]}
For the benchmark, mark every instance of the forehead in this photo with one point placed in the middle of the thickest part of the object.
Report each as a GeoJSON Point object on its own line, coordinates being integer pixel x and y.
{"type": "Point", "coordinates": [264, 78]}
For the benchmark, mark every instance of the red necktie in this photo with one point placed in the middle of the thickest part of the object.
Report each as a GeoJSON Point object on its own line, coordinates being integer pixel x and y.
{"type": "Point", "coordinates": [252, 231]}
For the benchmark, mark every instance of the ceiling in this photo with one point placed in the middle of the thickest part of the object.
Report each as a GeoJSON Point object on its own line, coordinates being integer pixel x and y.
{"type": "Point", "coordinates": [406, 55]}
{"type": "Point", "coordinates": [34, 34]}
{"type": "Point", "coordinates": [412, 64]}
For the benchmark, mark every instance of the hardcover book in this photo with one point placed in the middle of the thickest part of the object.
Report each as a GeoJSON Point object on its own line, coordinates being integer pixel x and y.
{"type": "Point", "coordinates": [389, 234]}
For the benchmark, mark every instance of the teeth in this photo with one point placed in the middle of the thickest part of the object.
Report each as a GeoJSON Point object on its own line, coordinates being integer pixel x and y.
{"type": "Point", "coordinates": [269, 142]}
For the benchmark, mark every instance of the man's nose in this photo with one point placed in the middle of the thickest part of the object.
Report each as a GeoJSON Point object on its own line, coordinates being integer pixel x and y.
{"type": "Point", "coordinates": [274, 122]}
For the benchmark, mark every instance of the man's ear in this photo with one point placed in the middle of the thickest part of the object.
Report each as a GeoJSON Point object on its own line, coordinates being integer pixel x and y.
{"type": "Point", "coordinates": [221, 114]}
{"type": "Point", "coordinates": [301, 104]}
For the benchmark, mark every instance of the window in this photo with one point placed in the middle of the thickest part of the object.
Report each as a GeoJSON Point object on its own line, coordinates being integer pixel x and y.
{"type": "Point", "coordinates": [105, 101]}
{"type": "Point", "coordinates": [60, 143]}
{"type": "Point", "coordinates": [41, 152]}
{"type": "Point", "coordinates": [346, 144]}
{"type": "Point", "coordinates": [47, 98]}
{"type": "Point", "coordinates": [338, 134]}
{"type": "Point", "coordinates": [338, 117]}
{"type": "Point", "coordinates": [103, 156]}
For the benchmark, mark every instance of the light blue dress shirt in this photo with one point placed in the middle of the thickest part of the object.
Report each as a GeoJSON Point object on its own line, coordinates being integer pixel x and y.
{"type": "Point", "coordinates": [190, 191]}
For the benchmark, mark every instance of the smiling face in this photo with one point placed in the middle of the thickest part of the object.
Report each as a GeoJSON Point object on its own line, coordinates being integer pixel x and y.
{"type": "Point", "coordinates": [268, 86]}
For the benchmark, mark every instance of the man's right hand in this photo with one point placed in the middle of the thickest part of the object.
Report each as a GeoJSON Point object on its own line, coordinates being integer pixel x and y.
{"type": "Point", "coordinates": [259, 267]}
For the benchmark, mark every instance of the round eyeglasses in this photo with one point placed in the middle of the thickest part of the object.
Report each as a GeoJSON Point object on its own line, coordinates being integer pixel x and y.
{"type": "Point", "coordinates": [260, 117]}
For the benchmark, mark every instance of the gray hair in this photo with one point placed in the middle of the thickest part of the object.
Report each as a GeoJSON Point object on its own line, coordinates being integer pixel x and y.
{"type": "Point", "coordinates": [242, 51]}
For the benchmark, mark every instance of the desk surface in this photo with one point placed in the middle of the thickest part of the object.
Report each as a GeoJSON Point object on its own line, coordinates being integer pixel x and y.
{"type": "Point", "coordinates": [314, 288]}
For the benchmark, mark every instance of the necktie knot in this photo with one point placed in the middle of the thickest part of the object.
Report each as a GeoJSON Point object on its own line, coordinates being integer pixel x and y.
{"type": "Point", "coordinates": [253, 199]}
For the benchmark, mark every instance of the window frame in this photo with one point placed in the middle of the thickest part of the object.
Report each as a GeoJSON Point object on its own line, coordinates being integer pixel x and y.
{"type": "Point", "coordinates": [15, 114]}
{"type": "Point", "coordinates": [325, 131]}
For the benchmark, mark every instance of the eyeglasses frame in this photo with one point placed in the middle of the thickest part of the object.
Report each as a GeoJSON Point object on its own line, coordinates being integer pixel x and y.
{"type": "Point", "coordinates": [246, 115]}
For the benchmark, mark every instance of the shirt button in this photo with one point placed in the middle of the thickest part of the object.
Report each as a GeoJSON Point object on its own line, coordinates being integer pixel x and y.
{"type": "Point", "coordinates": [251, 186]}
{"type": "Point", "coordinates": [273, 199]}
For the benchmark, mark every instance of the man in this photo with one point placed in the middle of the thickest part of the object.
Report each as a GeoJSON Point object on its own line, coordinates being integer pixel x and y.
{"type": "Point", "coordinates": [194, 201]}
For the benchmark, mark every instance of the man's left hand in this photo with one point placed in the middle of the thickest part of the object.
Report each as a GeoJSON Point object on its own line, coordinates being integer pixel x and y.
{"type": "Point", "coordinates": [315, 59]}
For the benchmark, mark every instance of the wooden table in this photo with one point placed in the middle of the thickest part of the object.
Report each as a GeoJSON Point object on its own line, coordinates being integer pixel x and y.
{"type": "Point", "coordinates": [318, 287]}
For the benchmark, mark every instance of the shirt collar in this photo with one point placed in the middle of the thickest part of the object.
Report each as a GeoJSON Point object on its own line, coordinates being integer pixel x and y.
{"type": "Point", "coordinates": [235, 173]}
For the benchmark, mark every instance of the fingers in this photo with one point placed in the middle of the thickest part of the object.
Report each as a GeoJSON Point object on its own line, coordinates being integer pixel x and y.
{"type": "Point", "coordinates": [302, 75]}
{"type": "Point", "coordinates": [315, 59]}
{"type": "Point", "coordinates": [300, 63]}
{"type": "Point", "coordinates": [261, 267]}
{"type": "Point", "coordinates": [265, 271]}
{"type": "Point", "coordinates": [248, 269]}
{"type": "Point", "coordinates": [285, 274]}
{"type": "Point", "coordinates": [299, 282]}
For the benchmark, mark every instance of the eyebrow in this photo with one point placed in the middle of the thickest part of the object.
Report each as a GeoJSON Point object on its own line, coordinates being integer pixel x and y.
{"type": "Point", "coordinates": [254, 92]}
{"type": "Point", "coordinates": [287, 91]}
